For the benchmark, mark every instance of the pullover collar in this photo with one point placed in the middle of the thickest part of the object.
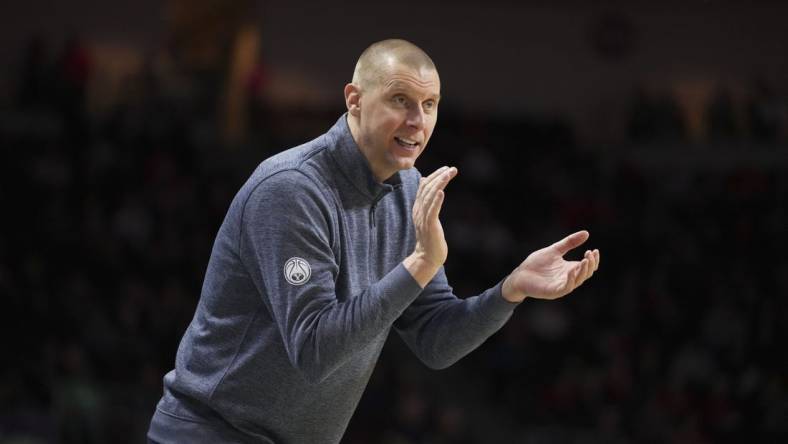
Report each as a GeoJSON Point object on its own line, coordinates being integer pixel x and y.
{"type": "Point", "coordinates": [354, 165]}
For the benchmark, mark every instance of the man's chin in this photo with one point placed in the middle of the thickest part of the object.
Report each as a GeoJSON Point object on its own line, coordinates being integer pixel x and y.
{"type": "Point", "coordinates": [403, 160]}
{"type": "Point", "coordinates": [404, 163]}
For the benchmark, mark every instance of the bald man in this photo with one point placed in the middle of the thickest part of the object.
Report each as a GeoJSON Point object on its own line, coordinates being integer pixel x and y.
{"type": "Point", "coordinates": [325, 249]}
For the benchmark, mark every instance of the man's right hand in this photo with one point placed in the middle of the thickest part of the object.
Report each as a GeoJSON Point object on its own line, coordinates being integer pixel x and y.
{"type": "Point", "coordinates": [431, 249]}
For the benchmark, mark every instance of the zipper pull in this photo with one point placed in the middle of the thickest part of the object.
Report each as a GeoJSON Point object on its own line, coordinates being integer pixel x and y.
{"type": "Point", "coordinates": [372, 214]}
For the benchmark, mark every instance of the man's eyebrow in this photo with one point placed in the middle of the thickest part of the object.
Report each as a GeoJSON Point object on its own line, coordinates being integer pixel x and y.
{"type": "Point", "coordinates": [398, 86]}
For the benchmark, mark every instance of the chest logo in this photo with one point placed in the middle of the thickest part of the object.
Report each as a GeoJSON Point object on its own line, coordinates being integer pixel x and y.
{"type": "Point", "coordinates": [297, 271]}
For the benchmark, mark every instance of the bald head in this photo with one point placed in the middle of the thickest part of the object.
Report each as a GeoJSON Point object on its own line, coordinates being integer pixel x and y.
{"type": "Point", "coordinates": [392, 105]}
{"type": "Point", "coordinates": [381, 57]}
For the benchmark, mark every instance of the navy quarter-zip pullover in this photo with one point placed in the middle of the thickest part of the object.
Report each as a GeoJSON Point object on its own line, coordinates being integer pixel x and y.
{"type": "Point", "coordinates": [304, 283]}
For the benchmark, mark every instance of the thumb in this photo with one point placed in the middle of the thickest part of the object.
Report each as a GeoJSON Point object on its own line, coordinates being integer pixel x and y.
{"type": "Point", "coordinates": [570, 242]}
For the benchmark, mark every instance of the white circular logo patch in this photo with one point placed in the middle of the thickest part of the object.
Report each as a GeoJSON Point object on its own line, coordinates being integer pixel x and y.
{"type": "Point", "coordinates": [297, 271]}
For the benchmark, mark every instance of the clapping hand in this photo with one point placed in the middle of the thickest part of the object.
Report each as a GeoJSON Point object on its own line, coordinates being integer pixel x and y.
{"type": "Point", "coordinates": [431, 249]}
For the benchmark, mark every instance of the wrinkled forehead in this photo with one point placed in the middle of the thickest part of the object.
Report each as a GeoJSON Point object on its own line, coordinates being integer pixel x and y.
{"type": "Point", "coordinates": [399, 76]}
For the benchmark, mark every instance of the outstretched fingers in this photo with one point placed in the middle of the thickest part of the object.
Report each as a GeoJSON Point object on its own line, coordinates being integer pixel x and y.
{"type": "Point", "coordinates": [571, 242]}
{"type": "Point", "coordinates": [588, 266]}
{"type": "Point", "coordinates": [434, 195]}
{"type": "Point", "coordinates": [593, 258]}
{"type": "Point", "coordinates": [419, 208]}
{"type": "Point", "coordinates": [435, 206]}
{"type": "Point", "coordinates": [440, 181]}
{"type": "Point", "coordinates": [571, 279]}
{"type": "Point", "coordinates": [582, 272]}
{"type": "Point", "coordinates": [425, 182]}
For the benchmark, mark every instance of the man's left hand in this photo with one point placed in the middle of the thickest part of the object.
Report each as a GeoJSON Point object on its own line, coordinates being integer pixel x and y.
{"type": "Point", "coordinates": [544, 274]}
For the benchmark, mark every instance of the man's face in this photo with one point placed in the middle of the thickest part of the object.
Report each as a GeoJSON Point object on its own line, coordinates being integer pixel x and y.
{"type": "Point", "coordinates": [397, 118]}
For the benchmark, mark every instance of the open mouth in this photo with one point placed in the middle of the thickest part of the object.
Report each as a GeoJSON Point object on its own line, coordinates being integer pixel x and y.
{"type": "Point", "coordinates": [406, 143]}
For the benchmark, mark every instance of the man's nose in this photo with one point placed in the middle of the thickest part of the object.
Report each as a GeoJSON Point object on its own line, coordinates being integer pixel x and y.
{"type": "Point", "coordinates": [416, 118]}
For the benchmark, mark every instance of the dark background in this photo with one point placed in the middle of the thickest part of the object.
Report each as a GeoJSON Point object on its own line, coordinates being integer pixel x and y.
{"type": "Point", "coordinates": [661, 127]}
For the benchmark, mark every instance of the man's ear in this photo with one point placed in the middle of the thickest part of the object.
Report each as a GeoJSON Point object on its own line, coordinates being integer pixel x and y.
{"type": "Point", "coordinates": [353, 99]}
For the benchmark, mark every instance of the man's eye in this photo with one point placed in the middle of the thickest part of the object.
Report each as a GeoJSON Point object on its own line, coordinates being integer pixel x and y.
{"type": "Point", "coordinates": [429, 104]}
{"type": "Point", "coordinates": [400, 100]}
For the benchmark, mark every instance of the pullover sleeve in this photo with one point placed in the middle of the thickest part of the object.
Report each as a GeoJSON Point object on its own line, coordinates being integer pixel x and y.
{"type": "Point", "coordinates": [440, 328]}
{"type": "Point", "coordinates": [285, 244]}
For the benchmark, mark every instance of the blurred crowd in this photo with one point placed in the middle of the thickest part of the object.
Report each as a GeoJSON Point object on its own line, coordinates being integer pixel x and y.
{"type": "Point", "coordinates": [110, 217]}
